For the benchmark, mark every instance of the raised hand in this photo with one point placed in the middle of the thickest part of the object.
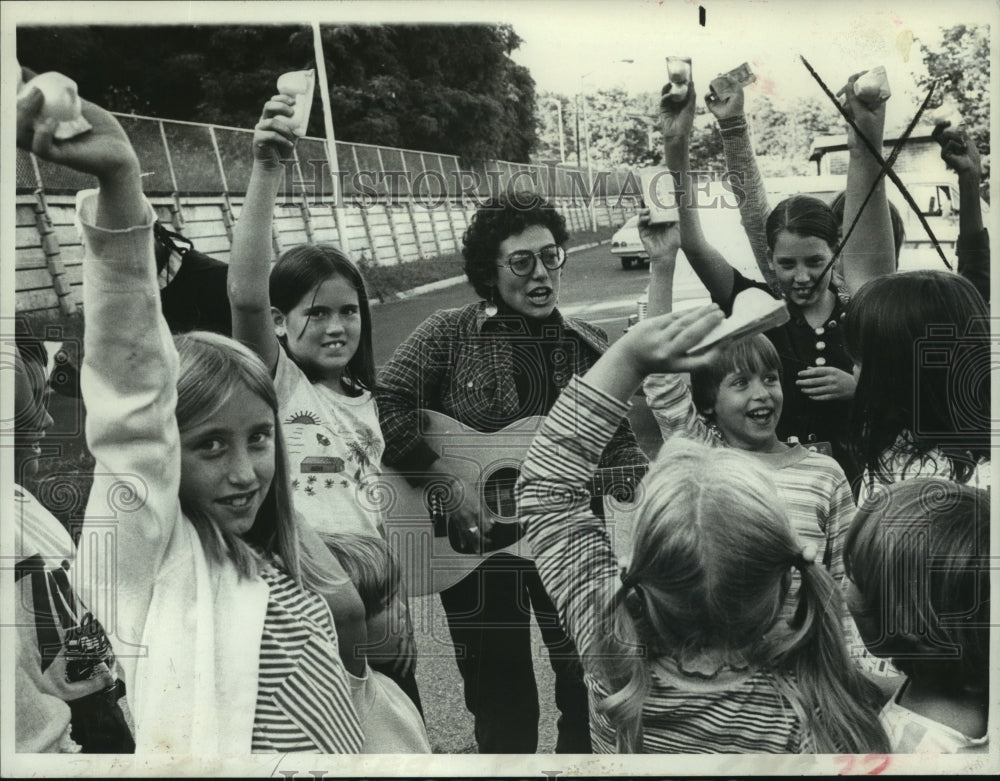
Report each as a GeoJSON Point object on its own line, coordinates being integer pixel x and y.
{"type": "Point", "coordinates": [958, 151]}
{"type": "Point", "coordinates": [104, 151]}
{"type": "Point", "coordinates": [660, 344]}
{"type": "Point", "coordinates": [868, 116]}
{"type": "Point", "coordinates": [273, 139]}
{"type": "Point", "coordinates": [727, 102]}
{"type": "Point", "coordinates": [676, 116]}
{"type": "Point", "coordinates": [661, 240]}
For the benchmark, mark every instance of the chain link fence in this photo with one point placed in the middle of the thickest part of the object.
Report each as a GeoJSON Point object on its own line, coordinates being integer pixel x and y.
{"type": "Point", "coordinates": [190, 159]}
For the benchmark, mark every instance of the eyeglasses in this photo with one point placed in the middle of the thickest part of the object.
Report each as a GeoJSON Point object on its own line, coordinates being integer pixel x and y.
{"type": "Point", "coordinates": [522, 262]}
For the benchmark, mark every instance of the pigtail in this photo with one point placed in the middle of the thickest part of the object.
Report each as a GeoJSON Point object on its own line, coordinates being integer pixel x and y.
{"type": "Point", "coordinates": [620, 658]}
{"type": "Point", "coordinates": [840, 705]}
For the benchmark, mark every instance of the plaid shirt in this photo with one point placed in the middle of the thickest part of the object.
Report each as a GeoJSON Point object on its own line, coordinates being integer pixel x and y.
{"type": "Point", "coordinates": [456, 363]}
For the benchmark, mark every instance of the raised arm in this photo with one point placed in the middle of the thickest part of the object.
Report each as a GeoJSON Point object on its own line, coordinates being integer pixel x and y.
{"type": "Point", "coordinates": [726, 103]}
{"type": "Point", "coordinates": [571, 546]}
{"type": "Point", "coordinates": [870, 251]}
{"type": "Point", "coordinates": [250, 258]}
{"type": "Point", "coordinates": [712, 268]}
{"type": "Point", "coordinates": [661, 242]}
{"type": "Point", "coordinates": [128, 377]}
{"type": "Point", "coordinates": [961, 155]}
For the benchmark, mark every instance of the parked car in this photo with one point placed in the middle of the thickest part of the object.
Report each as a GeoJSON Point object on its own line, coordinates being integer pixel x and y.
{"type": "Point", "coordinates": [938, 198]}
{"type": "Point", "coordinates": [627, 246]}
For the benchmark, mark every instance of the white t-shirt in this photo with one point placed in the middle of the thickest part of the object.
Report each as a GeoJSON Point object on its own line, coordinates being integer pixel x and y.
{"type": "Point", "coordinates": [933, 464]}
{"type": "Point", "coordinates": [390, 720]}
{"type": "Point", "coordinates": [911, 733]}
{"type": "Point", "coordinates": [334, 446]}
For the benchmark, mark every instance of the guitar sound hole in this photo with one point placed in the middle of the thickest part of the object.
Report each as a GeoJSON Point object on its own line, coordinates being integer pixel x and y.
{"type": "Point", "coordinates": [498, 493]}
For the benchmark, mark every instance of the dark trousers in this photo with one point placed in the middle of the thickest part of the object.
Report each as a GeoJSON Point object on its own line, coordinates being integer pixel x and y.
{"type": "Point", "coordinates": [488, 617]}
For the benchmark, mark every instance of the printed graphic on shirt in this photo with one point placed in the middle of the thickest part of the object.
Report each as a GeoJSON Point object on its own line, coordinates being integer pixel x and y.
{"type": "Point", "coordinates": [334, 446]}
{"type": "Point", "coordinates": [319, 472]}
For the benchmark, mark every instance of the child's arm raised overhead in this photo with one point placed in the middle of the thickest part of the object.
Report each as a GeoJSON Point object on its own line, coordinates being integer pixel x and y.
{"type": "Point", "coordinates": [661, 242]}
{"type": "Point", "coordinates": [667, 396]}
{"type": "Point", "coordinates": [869, 251]}
{"type": "Point", "coordinates": [570, 545]}
{"type": "Point", "coordinates": [712, 268]}
{"type": "Point", "coordinates": [960, 154]}
{"type": "Point", "coordinates": [250, 259]}
{"type": "Point", "coordinates": [727, 106]}
{"type": "Point", "coordinates": [128, 378]}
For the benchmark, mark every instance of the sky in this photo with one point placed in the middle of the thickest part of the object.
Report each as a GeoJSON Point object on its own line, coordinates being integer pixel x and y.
{"type": "Point", "coordinates": [564, 40]}
{"type": "Point", "coordinates": [838, 39]}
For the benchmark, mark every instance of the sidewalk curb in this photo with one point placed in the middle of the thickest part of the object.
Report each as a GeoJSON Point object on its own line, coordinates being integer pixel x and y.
{"type": "Point", "coordinates": [441, 284]}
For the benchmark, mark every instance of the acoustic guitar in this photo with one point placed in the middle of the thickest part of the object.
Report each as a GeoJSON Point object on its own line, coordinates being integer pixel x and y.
{"type": "Point", "coordinates": [416, 521]}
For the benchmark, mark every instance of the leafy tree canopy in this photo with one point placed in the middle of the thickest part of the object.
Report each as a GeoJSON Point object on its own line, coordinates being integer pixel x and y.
{"type": "Point", "coordinates": [437, 88]}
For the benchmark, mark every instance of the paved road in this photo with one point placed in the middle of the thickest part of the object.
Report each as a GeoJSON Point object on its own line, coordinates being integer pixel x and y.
{"type": "Point", "coordinates": [595, 288]}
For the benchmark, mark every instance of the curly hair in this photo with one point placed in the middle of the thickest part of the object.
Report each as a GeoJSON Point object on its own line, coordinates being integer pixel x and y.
{"type": "Point", "coordinates": [503, 216]}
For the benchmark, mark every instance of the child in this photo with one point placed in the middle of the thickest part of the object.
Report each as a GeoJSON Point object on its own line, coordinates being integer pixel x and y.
{"type": "Point", "coordinates": [795, 244]}
{"type": "Point", "coordinates": [312, 327]}
{"type": "Point", "coordinates": [920, 342]}
{"type": "Point", "coordinates": [391, 722]}
{"type": "Point", "coordinates": [211, 587]}
{"type": "Point", "coordinates": [63, 703]}
{"type": "Point", "coordinates": [736, 401]}
{"type": "Point", "coordinates": [916, 557]}
{"type": "Point", "coordinates": [686, 652]}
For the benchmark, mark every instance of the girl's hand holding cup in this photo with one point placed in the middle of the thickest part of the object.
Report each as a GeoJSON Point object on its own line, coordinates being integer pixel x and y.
{"type": "Point", "coordinates": [273, 137]}
{"type": "Point", "coordinates": [867, 112]}
{"type": "Point", "coordinates": [103, 151]}
{"type": "Point", "coordinates": [661, 240]}
{"type": "Point", "coordinates": [676, 116]}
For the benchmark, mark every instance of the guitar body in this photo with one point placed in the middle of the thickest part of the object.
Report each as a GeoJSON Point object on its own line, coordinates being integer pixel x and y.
{"type": "Point", "coordinates": [415, 523]}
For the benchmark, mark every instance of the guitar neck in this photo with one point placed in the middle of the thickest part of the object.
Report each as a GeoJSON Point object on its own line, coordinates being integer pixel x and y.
{"type": "Point", "coordinates": [616, 481]}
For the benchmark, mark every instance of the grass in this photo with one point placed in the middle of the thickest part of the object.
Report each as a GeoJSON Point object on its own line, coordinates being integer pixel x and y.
{"type": "Point", "coordinates": [386, 282]}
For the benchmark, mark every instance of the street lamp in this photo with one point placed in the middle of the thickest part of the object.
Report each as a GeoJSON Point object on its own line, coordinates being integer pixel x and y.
{"type": "Point", "coordinates": [562, 147]}
{"type": "Point", "coordinates": [586, 146]}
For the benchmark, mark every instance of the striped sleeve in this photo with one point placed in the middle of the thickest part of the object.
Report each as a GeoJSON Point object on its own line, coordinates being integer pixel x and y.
{"type": "Point", "coordinates": [571, 547]}
{"type": "Point", "coordinates": [753, 205]}
{"type": "Point", "coordinates": [838, 522]}
{"type": "Point", "coordinates": [669, 399]}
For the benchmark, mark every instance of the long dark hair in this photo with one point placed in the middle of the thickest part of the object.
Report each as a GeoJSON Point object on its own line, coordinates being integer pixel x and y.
{"type": "Point", "coordinates": [893, 543]}
{"type": "Point", "coordinates": [922, 340]}
{"type": "Point", "coordinates": [803, 215]}
{"type": "Point", "coordinates": [298, 271]}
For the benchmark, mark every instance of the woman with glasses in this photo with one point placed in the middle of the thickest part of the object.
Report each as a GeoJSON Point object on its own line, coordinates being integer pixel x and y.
{"type": "Point", "coordinates": [501, 359]}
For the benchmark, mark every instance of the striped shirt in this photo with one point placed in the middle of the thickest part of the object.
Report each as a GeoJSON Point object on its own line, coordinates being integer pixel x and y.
{"type": "Point", "coordinates": [303, 694]}
{"type": "Point", "coordinates": [813, 487]}
{"type": "Point", "coordinates": [737, 712]}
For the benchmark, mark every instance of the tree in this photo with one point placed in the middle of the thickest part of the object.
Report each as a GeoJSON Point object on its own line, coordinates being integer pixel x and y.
{"type": "Point", "coordinates": [392, 85]}
{"type": "Point", "coordinates": [960, 64]}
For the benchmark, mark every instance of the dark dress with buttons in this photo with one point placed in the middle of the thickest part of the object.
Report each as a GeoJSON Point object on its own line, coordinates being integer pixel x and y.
{"type": "Point", "coordinates": [801, 346]}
